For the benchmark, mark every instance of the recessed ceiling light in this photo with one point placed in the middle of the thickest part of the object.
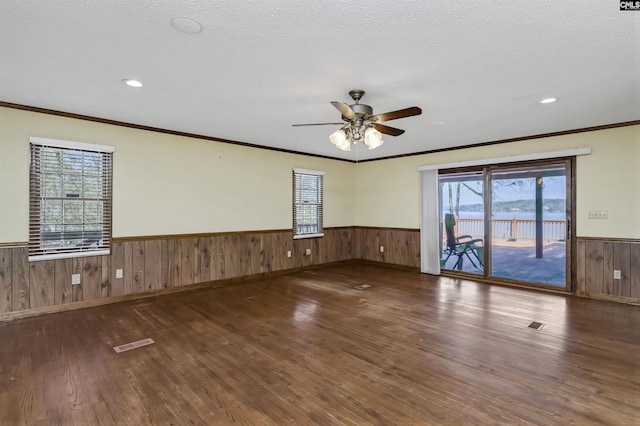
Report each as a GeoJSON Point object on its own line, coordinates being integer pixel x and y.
{"type": "Point", "coordinates": [132, 83]}
{"type": "Point", "coordinates": [436, 123]}
{"type": "Point", "coordinates": [186, 25]}
{"type": "Point", "coordinates": [548, 100]}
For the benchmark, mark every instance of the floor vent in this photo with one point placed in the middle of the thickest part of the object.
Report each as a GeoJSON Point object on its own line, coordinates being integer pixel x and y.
{"type": "Point", "coordinates": [362, 286]}
{"type": "Point", "coordinates": [133, 345]}
{"type": "Point", "coordinates": [536, 325]}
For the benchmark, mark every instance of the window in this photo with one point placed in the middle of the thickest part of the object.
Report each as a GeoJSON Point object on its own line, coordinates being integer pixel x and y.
{"type": "Point", "coordinates": [307, 203]}
{"type": "Point", "coordinates": [69, 199]}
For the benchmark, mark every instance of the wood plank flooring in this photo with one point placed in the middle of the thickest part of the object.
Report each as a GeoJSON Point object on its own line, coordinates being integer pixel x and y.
{"type": "Point", "coordinates": [308, 348]}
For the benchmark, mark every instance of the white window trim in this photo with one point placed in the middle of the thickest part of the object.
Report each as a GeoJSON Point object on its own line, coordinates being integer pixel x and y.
{"type": "Point", "coordinates": [64, 144]}
{"type": "Point", "coordinates": [302, 236]}
{"type": "Point", "coordinates": [313, 173]}
{"type": "Point", "coordinates": [309, 172]}
{"type": "Point", "coordinates": [70, 144]}
{"type": "Point", "coordinates": [69, 255]}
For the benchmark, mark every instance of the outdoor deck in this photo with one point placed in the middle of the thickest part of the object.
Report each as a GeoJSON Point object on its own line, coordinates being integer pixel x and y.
{"type": "Point", "coordinates": [517, 260]}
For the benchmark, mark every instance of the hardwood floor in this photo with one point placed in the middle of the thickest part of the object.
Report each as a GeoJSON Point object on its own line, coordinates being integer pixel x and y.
{"type": "Point", "coordinates": [308, 348]}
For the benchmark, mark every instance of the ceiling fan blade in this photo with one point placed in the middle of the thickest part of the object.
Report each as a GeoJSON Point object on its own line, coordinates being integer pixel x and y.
{"type": "Point", "coordinates": [387, 130]}
{"type": "Point", "coordinates": [345, 110]}
{"type": "Point", "coordinates": [394, 115]}
{"type": "Point", "coordinates": [318, 124]}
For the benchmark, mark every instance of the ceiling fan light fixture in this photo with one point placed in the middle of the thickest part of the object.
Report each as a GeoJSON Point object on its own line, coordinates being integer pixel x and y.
{"type": "Point", "coordinates": [360, 125]}
{"type": "Point", "coordinates": [340, 140]}
{"type": "Point", "coordinates": [372, 138]}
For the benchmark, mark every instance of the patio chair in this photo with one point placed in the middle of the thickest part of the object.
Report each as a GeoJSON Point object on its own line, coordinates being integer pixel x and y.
{"type": "Point", "coordinates": [461, 246]}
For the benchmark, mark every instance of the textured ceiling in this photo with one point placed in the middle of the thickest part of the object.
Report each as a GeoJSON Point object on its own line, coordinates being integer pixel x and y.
{"type": "Point", "coordinates": [258, 66]}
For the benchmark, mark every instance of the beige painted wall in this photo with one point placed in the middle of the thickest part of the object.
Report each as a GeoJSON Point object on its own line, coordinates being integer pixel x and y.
{"type": "Point", "coordinates": [387, 192]}
{"type": "Point", "coordinates": [166, 184]}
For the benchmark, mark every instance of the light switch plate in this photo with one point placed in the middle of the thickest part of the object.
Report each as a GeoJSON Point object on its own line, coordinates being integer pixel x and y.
{"type": "Point", "coordinates": [308, 252]}
{"type": "Point", "coordinates": [75, 279]}
{"type": "Point", "coordinates": [118, 273]}
{"type": "Point", "coordinates": [617, 275]}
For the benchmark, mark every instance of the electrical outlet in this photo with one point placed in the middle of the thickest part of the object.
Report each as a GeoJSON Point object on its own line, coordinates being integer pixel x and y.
{"type": "Point", "coordinates": [288, 253]}
{"type": "Point", "coordinates": [598, 214]}
{"type": "Point", "coordinates": [617, 275]}
{"type": "Point", "coordinates": [118, 273]}
{"type": "Point", "coordinates": [308, 252]}
{"type": "Point", "coordinates": [75, 279]}
{"type": "Point", "coordinates": [381, 249]}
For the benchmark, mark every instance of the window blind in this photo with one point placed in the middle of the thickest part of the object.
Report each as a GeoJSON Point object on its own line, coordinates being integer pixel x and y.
{"type": "Point", "coordinates": [70, 193]}
{"type": "Point", "coordinates": [307, 203]}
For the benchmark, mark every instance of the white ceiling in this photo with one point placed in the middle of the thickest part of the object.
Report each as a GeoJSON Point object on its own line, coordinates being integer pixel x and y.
{"type": "Point", "coordinates": [259, 66]}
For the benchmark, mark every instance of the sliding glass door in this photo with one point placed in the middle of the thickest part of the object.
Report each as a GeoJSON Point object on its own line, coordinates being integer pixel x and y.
{"type": "Point", "coordinates": [463, 223]}
{"type": "Point", "coordinates": [508, 223]}
{"type": "Point", "coordinates": [529, 223]}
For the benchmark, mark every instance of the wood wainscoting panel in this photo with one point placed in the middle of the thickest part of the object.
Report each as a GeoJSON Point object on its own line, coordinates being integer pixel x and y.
{"type": "Point", "coordinates": [207, 260]}
{"type": "Point", "coordinates": [188, 251]}
{"type": "Point", "coordinates": [634, 271]}
{"type": "Point", "coordinates": [622, 263]}
{"type": "Point", "coordinates": [336, 245]}
{"type": "Point", "coordinates": [117, 262]}
{"type": "Point", "coordinates": [372, 242]}
{"type": "Point", "coordinates": [232, 254]}
{"type": "Point", "coordinates": [217, 258]}
{"type": "Point", "coordinates": [345, 244]}
{"type": "Point", "coordinates": [105, 279]}
{"type": "Point", "coordinates": [5, 279]}
{"type": "Point", "coordinates": [19, 279]}
{"type": "Point", "coordinates": [401, 246]}
{"type": "Point", "coordinates": [279, 243]}
{"type": "Point", "coordinates": [41, 278]}
{"type": "Point", "coordinates": [597, 259]}
{"type": "Point", "coordinates": [128, 267]}
{"type": "Point", "coordinates": [156, 264]}
{"type": "Point", "coordinates": [358, 243]}
{"type": "Point", "coordinates": [64, 269]}
{"type": "Point", "coordinates": [348, 244]}
{"type": "Point", "coordinates": [138, 266]}
{"type": "Point", "coordinates": [152, 265]}
{"type": "Point", "coordinates": [177, 265]}
{"type": "Point", "coordinates": [594, 251]}
{"type": "Point", "coordinates": [196, 260]}
{"type": "Point", "coordinates": [581, 261]}
{"type": "Point", "coordinates": [134, 267]}
{"type": "Point", "coordinates": [91, 277]}
{"type": "Point", "coordinates": [167, 267]}
{"type": "Point", "coordinates": [609, 285]}
{"type": "Point", "coordinates": [300, 258]}
{"type": "Point", "coordinates": [252, 260]}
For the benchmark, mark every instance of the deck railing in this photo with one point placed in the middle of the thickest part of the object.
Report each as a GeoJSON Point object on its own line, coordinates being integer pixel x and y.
{"type": "Point", "coordinates": [512, 229]}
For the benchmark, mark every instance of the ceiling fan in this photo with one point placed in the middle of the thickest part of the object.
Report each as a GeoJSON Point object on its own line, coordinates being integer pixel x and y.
{"type": "Point", "coordinates": [359, 123]}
